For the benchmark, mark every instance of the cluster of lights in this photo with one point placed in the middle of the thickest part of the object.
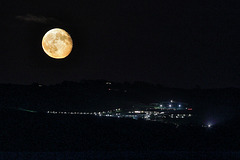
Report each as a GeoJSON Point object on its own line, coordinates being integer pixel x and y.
{"type": "Point", "coordinates": [163, 112]}
{"type": "Point", "coordinates": [171, 104]}
{"type": "Point", "coordinates": [61, 112]}
{"type": "Point", "coordinates": [145, 114]}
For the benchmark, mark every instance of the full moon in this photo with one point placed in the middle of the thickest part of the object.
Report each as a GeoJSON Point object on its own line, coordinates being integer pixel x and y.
{"type": "Point", "coordinates": [57, 43]}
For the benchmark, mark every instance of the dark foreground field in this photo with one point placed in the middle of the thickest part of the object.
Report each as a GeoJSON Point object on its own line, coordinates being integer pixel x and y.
{"type": "Point", "coordinates": [39, 132]}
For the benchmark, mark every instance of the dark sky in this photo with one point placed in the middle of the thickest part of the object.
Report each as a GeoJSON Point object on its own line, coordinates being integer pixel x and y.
{"type": "Point", "coordinates": [174, 43]}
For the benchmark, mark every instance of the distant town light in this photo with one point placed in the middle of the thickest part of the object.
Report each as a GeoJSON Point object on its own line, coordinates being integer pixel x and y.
{"type": "Point", "coordinates": [179, 105]}
{"type": "Point", "coordinates": [108, 83]}
{"type": "Point", "coordinates": [170, 105]}
{"type": "Point", "coordinates": [209, 125]}
{"type": "Point", "coordinates": [171, 101]}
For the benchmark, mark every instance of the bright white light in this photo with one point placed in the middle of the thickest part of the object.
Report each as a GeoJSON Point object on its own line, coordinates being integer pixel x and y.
{"type": "Point", "coordinates": [179, 105]}
{"type": "Point", "coordinates": [161, 105]}
{"type": "Point", "coordinates": [209, 126]}
{"type": "Point", "coordinates": [171, 101]}
{"type": "Point", "coordinates": [170, 105]}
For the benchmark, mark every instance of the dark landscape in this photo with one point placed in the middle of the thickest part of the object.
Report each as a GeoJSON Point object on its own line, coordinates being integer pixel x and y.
{"type": "Point", "coordinates": [119, 79]}
{"type": "Point", "coordinates": [32, 130]}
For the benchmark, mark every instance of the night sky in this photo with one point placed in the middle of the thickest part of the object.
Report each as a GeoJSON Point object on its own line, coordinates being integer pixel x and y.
{"type": "Point", "coordinates": [173, 43]}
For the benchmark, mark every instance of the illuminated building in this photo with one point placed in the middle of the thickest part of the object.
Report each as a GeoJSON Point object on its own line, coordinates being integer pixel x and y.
{"type": "Point", "coordinates": [153, 111]}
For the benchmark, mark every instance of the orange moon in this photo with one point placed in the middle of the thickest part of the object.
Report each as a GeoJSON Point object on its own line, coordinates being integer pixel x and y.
{"type": "Point", "coordinates": [57, 43]}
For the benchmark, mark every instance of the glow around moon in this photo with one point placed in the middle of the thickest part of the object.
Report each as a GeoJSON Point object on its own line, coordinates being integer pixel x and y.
{"type": "Point", "coordinates": [57, 43]}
